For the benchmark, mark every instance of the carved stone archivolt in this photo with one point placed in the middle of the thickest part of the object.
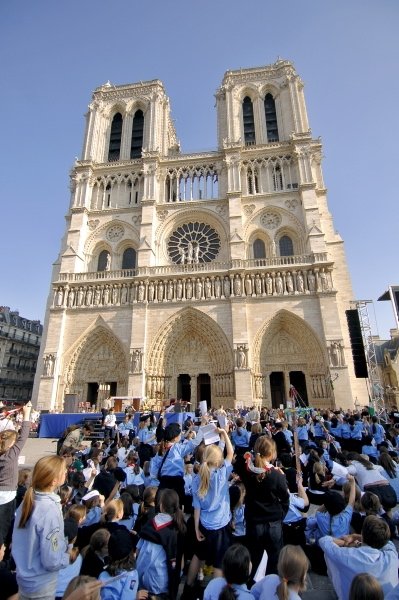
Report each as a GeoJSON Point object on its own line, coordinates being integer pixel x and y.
{"type": "Point", "coordinates": [191, 289]}
{"type": "Point", "coordinates": [99, 356]}
{"type": "Point", "coordinates": [190, 339]}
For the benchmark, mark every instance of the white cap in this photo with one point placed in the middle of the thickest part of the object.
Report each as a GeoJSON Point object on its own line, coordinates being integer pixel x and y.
{"type": "Point", "coordinates": [91, 494]}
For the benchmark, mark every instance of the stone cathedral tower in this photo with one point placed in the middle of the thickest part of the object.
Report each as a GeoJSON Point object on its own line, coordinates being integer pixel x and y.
{"type": "Point", "coordinates": [212, 276]}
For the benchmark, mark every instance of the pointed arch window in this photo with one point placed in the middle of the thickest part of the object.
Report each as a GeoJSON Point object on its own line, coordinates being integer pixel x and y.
{"type": "Point", "coordinates": [115, 138]}
{"type": "Point", "coordinates": [129, 259]}
{"type": "Point", "coordinates": [248, 121]}
{"type": "Point", "coordinates": [259, 249]}
{"type": "Point", "coordinates": [271, 119]}
{"type": "Point", "coordinates": [286, 246]}
{"type": "Point", "coordinates": [104, 261]}
{"type": "Point", "coordinates": [136, 145]}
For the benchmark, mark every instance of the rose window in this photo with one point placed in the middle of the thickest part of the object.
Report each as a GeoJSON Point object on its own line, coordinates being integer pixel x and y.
{"type": "Point", "coordinates": [193, 243]}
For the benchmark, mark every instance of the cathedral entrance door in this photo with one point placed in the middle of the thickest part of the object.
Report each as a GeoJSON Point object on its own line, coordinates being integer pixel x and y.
{"type": "Point", "coordinates": [297, 379]}
{"type": "Point", "coordinates": [92, 393]}
{"type": "Point", "coordinates": [184, 387]}
{"type": "Point", "coordinates": [277, 388]}
{"type": "Point", "coordinates": [204, 388]}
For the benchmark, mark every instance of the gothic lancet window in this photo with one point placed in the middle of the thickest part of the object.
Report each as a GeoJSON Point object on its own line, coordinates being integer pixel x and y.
{"type": "Point", "coordinates": [286, 246]}
{"type": "Point", "coordinates": [104, 260]}
{"type": "Point", "coordinates": [129, 259]}
{"type": "Point", "coordinates": [271, 119]}
{"type": "Point", "coordinates": [136, 146]}
{"type": "Point", "coordinates": [115, 138]}
{"type": "Point", "coordinates": [259, 249]}
{"type": "Point", "coordinates": [248, 121]}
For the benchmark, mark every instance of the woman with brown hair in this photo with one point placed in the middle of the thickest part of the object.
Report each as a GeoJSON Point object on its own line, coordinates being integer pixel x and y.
{"type": "Point", "coordinates": [266, 503]}
{"type": "Point", "coordinates": [38, 544]}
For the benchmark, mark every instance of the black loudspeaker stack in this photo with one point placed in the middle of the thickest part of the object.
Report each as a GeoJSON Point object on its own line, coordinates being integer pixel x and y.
{"type": "Point", "coordinates": [355, 334]}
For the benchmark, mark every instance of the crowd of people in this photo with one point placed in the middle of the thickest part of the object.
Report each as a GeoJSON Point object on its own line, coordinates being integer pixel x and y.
{"type": "Point", "coordinates": [247, 499]}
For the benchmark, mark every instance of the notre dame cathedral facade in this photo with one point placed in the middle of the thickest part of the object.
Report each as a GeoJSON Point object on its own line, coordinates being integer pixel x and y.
{"type": "Point", "coordinates": [213, 276]}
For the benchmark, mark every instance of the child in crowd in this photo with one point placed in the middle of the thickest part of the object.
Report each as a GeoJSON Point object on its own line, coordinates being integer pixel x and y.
{"type": "Point", "coordinates": [38, 547]}
{"type": "Point", "coordinates": [95, 555]}
{"type": "Point", "coordinates": [237, 509]}
{"type": "Point", "coordinates": [121, 562]}
{"type": "Point", "coordinates": [160, 548]}
{"type": "Point", "coordinates": [11, 444]}
{"type": "Point", "coordinates": [236, 567]}
{"type": "Point", "coordinates": [211, 504]}
{"type": "Point", "coordinates": [94, 503]}
{"type": "Point", "coordinates": [24, 477]}
{"type": "Point", "coordinates": [188, 487]}
{"type": "Point", "coordinates": [73, 569]}
{"type": "Point", "coordinates": [294, 522]}
{"type": "Point", "coordinates": [292, 569]}
{"type": "Point", "coordinates": [365, 587]}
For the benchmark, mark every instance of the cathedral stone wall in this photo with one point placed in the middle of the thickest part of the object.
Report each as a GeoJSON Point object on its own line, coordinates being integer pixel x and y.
{"type": "Point", "coordinates": [214, 276]}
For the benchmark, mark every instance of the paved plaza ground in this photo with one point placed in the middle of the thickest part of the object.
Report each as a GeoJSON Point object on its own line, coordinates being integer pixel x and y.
{"type": "Point", "coordinates": [318, 588]}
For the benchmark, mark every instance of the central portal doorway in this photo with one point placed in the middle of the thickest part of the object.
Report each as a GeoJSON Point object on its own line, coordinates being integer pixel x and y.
{"type": "Point", "coordinates": [297, 379]}
{"type": "Point", "coordinates": [184, 387]}
{"type": "Point", "coordinates": [204, 388]}
{"type": "Point", "coordinates": [277, 388]}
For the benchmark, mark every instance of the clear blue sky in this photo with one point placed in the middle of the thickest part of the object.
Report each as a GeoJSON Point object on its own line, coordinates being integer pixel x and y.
{"type": "Point", "coordinates": [55, 53]}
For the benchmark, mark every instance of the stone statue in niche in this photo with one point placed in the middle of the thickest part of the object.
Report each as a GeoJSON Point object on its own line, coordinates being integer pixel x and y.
{"type": "Point", "coordinates": [179, 289]}
{"type": "Point", "coordinates": [208, 288]}
{"type": "Point", "coordinates": [198, 289]}
{"type": "Point", "coordinates": [60, 296]}
{"type": "Point", "coordinates": [124, 294]}
{"type": "Point", "coordinates": [218, 287]}
{"type": "Point", "coordinates": [106, 295]}
{"type": "Point", "coordinates": [226, 286]}
{"type": "Point", "coordinates": [182, 255]}
{"type": "Point", "coordinates": [97, 296]}
{"type": "Point", "coordinates": [81, 295]}
{"type": "Point", "coordinates": [278, 282]}
{"type": "Point", "coordinates": [141, 292]}
{"type": "Point", "coordinates": [189, 289]}
{"type": "Point", "coordinates": [89, 296]}
{"type": "Point", "coordinates": [108, 263]}
{"type": "Point", "coordinates": [299, 283]}
{"type": "Point", "coordinates": [151, 291]}
{"type": "Point", "coordinates": [136, 361]}
{"type": "Point", "coordinates": [248, 285]}
{"type": "Point", "coordinates": [324, 281]}
{"type": "Point", "coordinates": [196, 252]}
{"type": "Point", "coordinates": [169, 292]}
{"type": "Point", "coordinates": [311, 281]}
{"type": "Point", "coordinates": [48, 365]}
{"type": "Point", "coordinates": [241, 357]}
{"type": "Point", "coordinates": [258, 285]}
{"type": "Point", "coordinates": [115, 294]}
{"type": "Point", "coordinates": [269, 285]}
{"type": "Point", "coordinates": [190, 252]}
{"type": "Point", "coordinates": [289, 283]}
{"type": "Point", "coordinates": [237, 285]}
{"type": "Point", "coordinates": [160, 291]}
{"type": "Point", "coordinates": [71, 298]}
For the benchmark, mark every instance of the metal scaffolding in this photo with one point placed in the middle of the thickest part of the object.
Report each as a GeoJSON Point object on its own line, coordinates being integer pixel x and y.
{"type": "Point", "coordinates": [376, 390]}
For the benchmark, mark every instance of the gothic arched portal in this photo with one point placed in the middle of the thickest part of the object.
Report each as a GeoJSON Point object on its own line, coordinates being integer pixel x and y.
{"type": "Point", "coordinates": [98, 363]}
{"type": "Point", "coordinates": [288, 352]}
{"type": "Point", "coordinates": [191, 344]}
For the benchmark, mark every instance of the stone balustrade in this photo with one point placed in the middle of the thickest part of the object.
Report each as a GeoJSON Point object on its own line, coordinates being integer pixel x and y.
{"type": "Point", "coordinates": [197, 268]}
{"type": "Point", "coordinates": [195, 288]}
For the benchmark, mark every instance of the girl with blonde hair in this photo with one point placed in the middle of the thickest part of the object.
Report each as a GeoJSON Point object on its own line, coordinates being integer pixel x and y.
{"type": "Point", "coordinates": [266, 503]}
{"type": "Point", "coordinates": [38, 544]}
{"type": "Point", "coordinates": [292, 568]}
{"type": "Point", "coordinates": [211, 503]}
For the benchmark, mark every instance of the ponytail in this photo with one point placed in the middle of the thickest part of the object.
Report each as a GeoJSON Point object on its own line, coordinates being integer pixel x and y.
{"type": "Point", "coordinates": [179, 521]}
{"type": "Point", "coordinates": [45, 471]}
{"type": "Point", "coordinates": [27, 507]}
{"type": "Point", "coordinates": [7, 440]}
{"type": "Point", "coordinates": [205, 479]}
{"type": "Point", "coordinates": [228, 593]}
{"type": "Point", "coordinates": [282, 591]}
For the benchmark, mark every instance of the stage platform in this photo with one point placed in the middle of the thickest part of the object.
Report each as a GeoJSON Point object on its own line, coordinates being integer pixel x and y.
{"type": "Point", "coordinates": [52, 425]}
